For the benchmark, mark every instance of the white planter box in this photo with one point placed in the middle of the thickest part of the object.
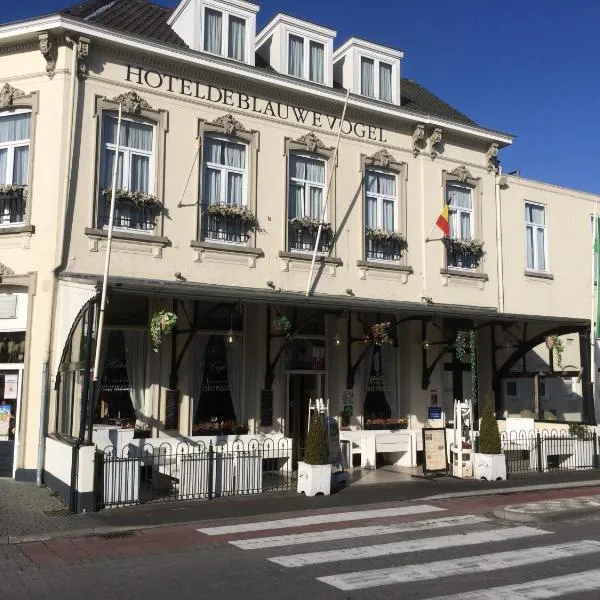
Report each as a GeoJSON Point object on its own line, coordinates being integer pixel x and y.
{"type": "Point", "coordinates": [490, 467]}
{"type": "Point", "coordinates": [314, 480]}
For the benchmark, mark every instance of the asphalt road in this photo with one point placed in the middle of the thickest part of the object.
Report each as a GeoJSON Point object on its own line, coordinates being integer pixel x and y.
{"type": "Point", "coordinates": [441, 549]}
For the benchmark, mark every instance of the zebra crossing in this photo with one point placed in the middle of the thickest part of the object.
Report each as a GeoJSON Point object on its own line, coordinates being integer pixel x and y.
{"type": "Point", "coordinates": [339, 542]}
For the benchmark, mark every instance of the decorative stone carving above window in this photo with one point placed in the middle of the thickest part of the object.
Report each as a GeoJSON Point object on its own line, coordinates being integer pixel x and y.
{"type": "Point", "coordinates": [418, 139]}
{"type": "Point", "coordinates": [435, 142]}
{"type": "Point", "coordinates": [383, 158]}
{"type": "Point", "coordinates": [5, 271]}
{"type": "Point", "coordinates": [462, 173]}
{"type": "Point", "coordinates": [230, 125]}
{"type": "Point", "coordinates": [83, 51]}
{"type": "Point", "coordinates": [49, 52]}
{"type": "Point", "coordinates": [311, 142]}
{"type": "Point", "coordinates": [132, 103]}
{"type": "Point", "coordinates": [8, 94]}
{"type": "Point", "coordinates": [492, 157]}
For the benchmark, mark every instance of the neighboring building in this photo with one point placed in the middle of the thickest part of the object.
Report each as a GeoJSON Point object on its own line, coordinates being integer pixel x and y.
{"type": "Point", "coordinates": [228, 155]}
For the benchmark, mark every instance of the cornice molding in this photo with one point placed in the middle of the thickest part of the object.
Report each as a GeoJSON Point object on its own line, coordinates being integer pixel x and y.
{"type": "Point", "coordinates": [230, 125]}
{"type": "Point", "coordinates": [382, 158]}
{"type": "Point", "coordinates": [492, 157]}
{"type": "Point", "coordinates": [311, 142]}
{"type": "Point", "coordinates": [8, 94]}
{"type": "Point", "coordinates": [462, 173]}
{"type": "Point", "coordinates": [435, 142]}
{"type": "Point", "coordinates": [132, 102]}
{"type": "Point", "coordinates": [5, 271]}
{"type": "Point", "coordinates": [49, 51]}
{"type": "Point", "coordinates": [418, 139]}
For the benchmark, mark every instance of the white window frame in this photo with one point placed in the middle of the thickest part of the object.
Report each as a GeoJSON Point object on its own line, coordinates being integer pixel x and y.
{"type": "Point", "coordinates": [376, 84]}
{"type": "Point", "coordinates": [225, 16]}
{"type": "Point", "coordinates": [11, 146]}
{"type": "Point", "coordinates": [380, 199]}
{"type": "Point", "coordinates": [306, 42]}
{"type": "Point", "coordinates": [454, 213]}
{"type": "Point", "coordinates": [536, 250]}
{"type": "Point", "coordinates": [307, 185]}
{"type": "Point", "coordinates": [225, 170]}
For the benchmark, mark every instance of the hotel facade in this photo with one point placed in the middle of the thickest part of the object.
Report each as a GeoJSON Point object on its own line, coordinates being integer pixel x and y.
{"type": "Point", "coordinates": [229, 175]}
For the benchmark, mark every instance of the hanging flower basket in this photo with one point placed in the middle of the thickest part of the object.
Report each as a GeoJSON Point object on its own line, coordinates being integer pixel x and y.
{"type": "Point", "coordinates": [379, 334]}
{"type": "Point", "coordinates": [283, 324]}
{"type": "Point", "coordinates": [472, 247]}
{"type": "Point", "coordinates": [140, 199]}
{"type": "Point", "coordinates": [9, 189]}
{"type": "Point", "coordinates": [234, 211]}
{"type": "Point", "coordinates": [385, 236]}
{"type": "Point", "coordinates": [162, 324]}
{"type": "Point", "coordinates": [309, 224]}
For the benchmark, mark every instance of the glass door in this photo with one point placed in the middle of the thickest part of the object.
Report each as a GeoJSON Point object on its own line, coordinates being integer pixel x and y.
{"type": "Point", "coordinates": [10, 382]}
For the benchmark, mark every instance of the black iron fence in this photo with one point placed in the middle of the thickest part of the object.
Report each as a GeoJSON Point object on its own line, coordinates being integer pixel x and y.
{"type": "Point", "coordinates": [224, 228]}
{"type": "Point", "coordinates": [12, 208]}
{"type": "Point", "coordinates": [304, 239]}
{"type": "Point", "coordinates": [129, 215]}
{"type": "Point", "coordinates": [462, 259]}
{"type": "Point", "coordinates": [383, 249]}
{"type": "Point", "coordinates": [154, 470]}
{"type": "Point", "coordinates": [549, 450]}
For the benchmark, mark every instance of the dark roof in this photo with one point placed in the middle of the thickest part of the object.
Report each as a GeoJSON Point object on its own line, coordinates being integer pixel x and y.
{"type": "Point", "coordinates": [132, 16]}
{"type": "Point", "coordinates": [149, 20]}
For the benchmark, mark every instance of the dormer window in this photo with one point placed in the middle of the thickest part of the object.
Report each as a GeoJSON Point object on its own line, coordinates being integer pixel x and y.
{"type": "Point", "coordinates": [368, 69]}
{"type": "Point", "coordinates": [298, 48]}
{"type": "Point", "coordinates": [223, 30]}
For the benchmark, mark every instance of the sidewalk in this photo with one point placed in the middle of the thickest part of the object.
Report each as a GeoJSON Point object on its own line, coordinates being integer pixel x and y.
{"type": "Point", "coordinates": [28, 512]}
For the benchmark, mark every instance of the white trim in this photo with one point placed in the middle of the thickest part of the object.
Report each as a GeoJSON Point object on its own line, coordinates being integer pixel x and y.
{"type": "Point", "coordinates": [364, 45]}
{"type": "Point", "coordinates": [236, 4]}
{"type": "Point", "coordinates": [167, 52]}
{"type": "Point", "coordinates": [306, 27]}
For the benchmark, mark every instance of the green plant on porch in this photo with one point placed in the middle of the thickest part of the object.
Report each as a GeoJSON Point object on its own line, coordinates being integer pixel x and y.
{"type": "Point", "coordinates": [283, 324]}
{"type": "Point", "coordinates": [7, 189]}
{"type": "Point", "coordinates": [141, 199]}
{"type": "Point", "coordinates": [558, 349]}
{"type": "Point", "coordinates": [472, 247]}
{"type": "Point", "coordinates": [580, 431]}
{"type": "Point", "coordinates": [385, 235]}
{"type": "Point", "coordinates": [309, 224]}
{"type": "Point", "coordinates": [466, 347]}
{"type": "Point", "coordinates": [162, 324]}
{"type": "Point", "coordinates": [234, 211]}
{"type": "Point", "coordinates": [489, 434]}
{"type": "Point", "coordinates": [317, 452]}
{"type": "Point", "coordinates": [379, 334]}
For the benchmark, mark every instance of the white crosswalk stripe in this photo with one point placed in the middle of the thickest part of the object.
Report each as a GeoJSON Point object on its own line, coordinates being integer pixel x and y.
{"type": "Point", "coordinates": [340, 517]}
{"type": "Point", "coordinates": [314, 537]}
{"type": "Point", "coordinates": [517, 548]}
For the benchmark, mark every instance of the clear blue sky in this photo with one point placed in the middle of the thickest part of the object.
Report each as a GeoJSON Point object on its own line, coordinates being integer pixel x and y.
{"type": "Point", "coordinates": [526, 67]}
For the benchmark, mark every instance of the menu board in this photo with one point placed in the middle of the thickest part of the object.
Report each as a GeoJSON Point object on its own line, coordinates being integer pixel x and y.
{"type": "Point", "coordinates": [4, 419]}
{"type": "Point", "coordinates": [11, 383]}
{"type": "Point", "coordinates": [434, 451]}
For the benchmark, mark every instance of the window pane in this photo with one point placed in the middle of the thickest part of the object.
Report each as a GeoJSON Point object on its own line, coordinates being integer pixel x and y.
{"type": "Point", "coordinates": [297, 167]}
{"type": "Point", "coordinates": [387, 184]}
{"type": "Point", "coordinates": [371, 216]}
{"type": "Point", "coordinates": [316, 196]}
{"type": "Point", "coordinates": [367, 77]}
{"type": "Point", "coordinates": [212, 186]}
{"type": "Point", "coordinates": [109, 158]}
{"type": "Point", "coordinates": [235, 188]}
{"type": "Point", "coordinates": [315, 170]}
{"type": "Point", "coordinates": [295, 202]}
{"type": "Point", "coordinates": [371, 182]}
{"type": "Point", "coordinates": [535, 214]}
{"type": "Point", "coordinates": [235, 155]}
{"type": "Point", "coordinates": [212, 31]}
{"type": "Point", "coordinates": [237, 38]}
{"type": "Point", "coordinates": [385, 82]}
{"type": "Point", "coordinates": [530, 250]}
{"type": "Point", "coordinates": [388, 215]}
{"type": "Point", "coordinates": [540, 233]}
{"type": "Point", "coordinates": [140, 173]}
{"type": "Point", "coordinates": [3, 166]}
{"type": "Point", "coordinates": [317, 62]}
{"type": "Point", "coordinates": [465, 226]}
{"type": "Point", "coordinates": [136, 135]}
{"type": "Point", "coordinates": [213, 151]}
{"type": "Point", "coordinates": [20, 163]}
{"type": "Point", "coordinates": [459, 197]}
{"type": "Point", "coordinates": [296, 56]}
{"type": "Point", "coordinates": [15, 128]}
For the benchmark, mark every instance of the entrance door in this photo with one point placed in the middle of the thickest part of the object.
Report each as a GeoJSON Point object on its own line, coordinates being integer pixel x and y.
{"type": "Point", "coordinates": [301, 388]}
{"type": "Point", "coordinates": [9, 393]}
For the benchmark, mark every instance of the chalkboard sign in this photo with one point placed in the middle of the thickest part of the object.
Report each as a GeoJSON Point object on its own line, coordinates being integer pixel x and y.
{"type": "Point", "coordinates": [435, 459]}
{"type": "Point", "coordinates": [266, 408]}
{"type": "Point", "coordinates": [172, 409]}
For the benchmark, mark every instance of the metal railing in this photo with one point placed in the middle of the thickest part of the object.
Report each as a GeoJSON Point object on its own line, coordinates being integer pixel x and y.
{"type": "Point", "coordinates": [12, 208]}
{"type": "Point", "coordinates": [303, 239]}
{"type": "Point", "coordinates": [383, 249]}
{"type": "Point", "coordinates": [151, 470]}
{"type": "Point", "coordinates": [223, 228]}
{"type": "Point", "coordinates": [129, 215]}
{"type": "Point", "coordinates": [462, 259]}
{"type": "Point", "coordinates": [549, 450]}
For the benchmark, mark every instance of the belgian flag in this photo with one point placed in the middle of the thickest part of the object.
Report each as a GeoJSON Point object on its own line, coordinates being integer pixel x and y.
{"type": "Point", "coordinates": [442, 221]}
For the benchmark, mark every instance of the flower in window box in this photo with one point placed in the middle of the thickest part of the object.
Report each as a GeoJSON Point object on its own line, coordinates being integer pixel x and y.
{"type": "Point", "coordinates": [309, 224]}
{"type": "Point", "coordinates": [10, 189]}
{"type": "Point", "coordinates": [162, 324]}
{"type": "Point", "coordinates": [383, 234]}
{"type": "Point", "coordinates": [379, 334]}
{"type": "Point", "coordinates": [234, 211]}
{"type": "Point", "coordinates": [140, 199]}
{"type": "Point", "coordinates": [473, 247]}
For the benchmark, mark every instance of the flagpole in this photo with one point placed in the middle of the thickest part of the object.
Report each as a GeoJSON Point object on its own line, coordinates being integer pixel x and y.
{"type": "Point", "coordinates": [108, 249]}
{"type": "Point", "coordinates": [323, 212]}
{"type": "Point", "coordinates": [593, 324]}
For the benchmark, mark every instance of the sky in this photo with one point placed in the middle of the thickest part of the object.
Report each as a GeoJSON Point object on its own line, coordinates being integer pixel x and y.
{"type": "Point", "coordinates": [525, 67]}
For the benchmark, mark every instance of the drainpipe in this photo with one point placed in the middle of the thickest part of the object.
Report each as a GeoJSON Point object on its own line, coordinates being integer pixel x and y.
{"type": "Point", "coordinates": [59, 260]}
{"type": "Point", "coordinates": [499, 241]}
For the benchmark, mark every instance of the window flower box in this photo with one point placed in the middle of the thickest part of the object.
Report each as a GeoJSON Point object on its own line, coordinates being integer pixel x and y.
{"type": "Point", "coordinates": [213, 428]}
{"type": "Point", "coordinates": [302, 234]}
{"type": "Point", "coordinates": [386, 424]}
{"type": "Point", "coordinates": [133, 210]}
{"type": "Point", "coordinates": [12, 204]}
{"type": "Point", "coordinates": [384, 245]}
{"type": "Point", "coordinates": [465, 254]}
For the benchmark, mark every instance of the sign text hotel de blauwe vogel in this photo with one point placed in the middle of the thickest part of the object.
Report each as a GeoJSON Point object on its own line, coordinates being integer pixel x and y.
{"type": "Point", "coordinates": [227, 97]}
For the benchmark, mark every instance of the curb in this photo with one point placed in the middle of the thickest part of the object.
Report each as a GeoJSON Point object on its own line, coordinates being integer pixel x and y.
{"type": "Point", "coordinates": [518, 517]}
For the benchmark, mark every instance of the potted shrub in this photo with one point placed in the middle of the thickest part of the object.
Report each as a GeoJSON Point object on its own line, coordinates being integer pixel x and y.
{"type": "Point", "coordinates": [314, 473]}
{"type": "Point", "coordinates": [489, 463]}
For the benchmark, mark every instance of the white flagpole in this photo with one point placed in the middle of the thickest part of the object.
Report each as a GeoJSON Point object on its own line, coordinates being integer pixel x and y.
{"type": "Point", "coordinates": [593, 341]}
{"type": "Point", "coordinates": [108, 249]}
{"type": "Point", "coordinates": [323, 212]}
